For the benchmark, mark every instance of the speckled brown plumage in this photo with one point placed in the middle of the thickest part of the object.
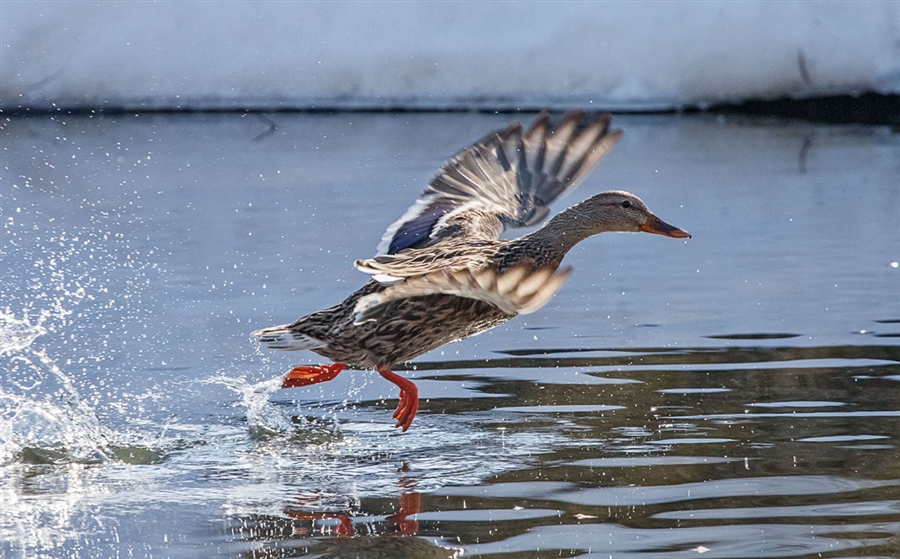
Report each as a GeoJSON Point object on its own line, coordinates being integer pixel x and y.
{"type": "Point", "coordinates": [444, 275]}
{"type": "Point", "coordinates": [408, 327]}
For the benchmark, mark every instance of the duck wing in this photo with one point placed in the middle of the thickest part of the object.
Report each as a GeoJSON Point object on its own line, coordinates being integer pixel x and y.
{"type": "Point", "coordinates": [505, 180]}
{"type": "Point", "coordinates": [521, 289]}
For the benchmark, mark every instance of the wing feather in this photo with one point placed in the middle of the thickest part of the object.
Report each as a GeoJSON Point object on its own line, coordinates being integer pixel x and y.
{"type": "Point", "coordinates": [505, 180]}
{"type": "Point", "coordinates": [519, 290]}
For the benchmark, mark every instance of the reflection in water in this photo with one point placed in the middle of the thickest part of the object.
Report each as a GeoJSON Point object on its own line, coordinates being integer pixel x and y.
{"type": "Point", "coordinates": [750, 454]}
{"type": "Point", "coordinates": [744, 404]}
{"type": "Point", "coordinates": [313, 523]}
{"type": "Point", "coordinates": [648, 473]}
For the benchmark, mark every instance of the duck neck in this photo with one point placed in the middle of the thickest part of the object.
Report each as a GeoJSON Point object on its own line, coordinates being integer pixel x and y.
{"type": "Point", "coordinates": [557, 237]}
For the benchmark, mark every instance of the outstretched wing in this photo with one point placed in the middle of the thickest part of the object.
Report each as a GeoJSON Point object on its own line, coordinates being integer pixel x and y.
{"type": "Point", "coordinates": [522, 289]}
{"type": "Point", "coordinates": [505, 180]}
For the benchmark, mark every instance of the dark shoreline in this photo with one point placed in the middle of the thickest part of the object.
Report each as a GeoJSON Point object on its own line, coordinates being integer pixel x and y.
{"type": "Point", "coordinates": [866, 108]}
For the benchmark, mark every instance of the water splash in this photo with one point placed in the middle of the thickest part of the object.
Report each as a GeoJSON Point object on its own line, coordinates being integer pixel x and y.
{"type": "Point", "coordinates": [17, 335]}
{"type": "Point", "coordinates": [263, 418]}
{"type": "Point", "coordinates": [67, 294]}
{"type": "Point", "coordinates": [45, 419]}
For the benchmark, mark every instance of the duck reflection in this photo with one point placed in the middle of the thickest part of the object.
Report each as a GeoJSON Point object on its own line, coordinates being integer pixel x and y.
{"type": "Point", "coordinates": [314, 522]}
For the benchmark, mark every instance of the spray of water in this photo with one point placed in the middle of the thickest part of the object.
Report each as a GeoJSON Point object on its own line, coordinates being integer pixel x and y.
{"type": "Point", "coordinates": [45, 419]}
{"type": "Point", "coordinates": [263, 418]}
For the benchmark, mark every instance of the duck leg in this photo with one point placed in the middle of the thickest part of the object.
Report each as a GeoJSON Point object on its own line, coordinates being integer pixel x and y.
{"type": "Point", "coordinates": [305, 375]}
{"type": "Point", "coordinates": [409, 398]}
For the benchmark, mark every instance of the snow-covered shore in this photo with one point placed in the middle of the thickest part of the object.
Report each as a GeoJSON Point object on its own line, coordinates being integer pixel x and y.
{"type": "Point", "coordinates": [282, 55]}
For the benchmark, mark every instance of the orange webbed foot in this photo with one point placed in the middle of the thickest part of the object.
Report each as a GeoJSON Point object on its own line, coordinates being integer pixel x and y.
{"type": "Point", "coordinates": [409, 398]}
{"type": "Point", "coordinates": [306, 375]}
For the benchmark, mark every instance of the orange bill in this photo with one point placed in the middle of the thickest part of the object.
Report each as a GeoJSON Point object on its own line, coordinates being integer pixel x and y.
{"type": "Point", "coordinates": [660, 227]}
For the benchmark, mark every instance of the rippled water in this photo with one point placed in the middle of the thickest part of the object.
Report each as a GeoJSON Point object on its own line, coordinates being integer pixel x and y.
{"type": "Point", "coordinates": [734, 395]}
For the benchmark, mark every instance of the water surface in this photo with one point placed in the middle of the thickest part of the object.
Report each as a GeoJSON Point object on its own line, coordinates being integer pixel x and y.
{"type": "Point", "coordinates": [732, 395]}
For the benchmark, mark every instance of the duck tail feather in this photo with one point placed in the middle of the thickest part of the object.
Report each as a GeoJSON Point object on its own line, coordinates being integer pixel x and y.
{"type": "Point", "coordinates": [285, 338]}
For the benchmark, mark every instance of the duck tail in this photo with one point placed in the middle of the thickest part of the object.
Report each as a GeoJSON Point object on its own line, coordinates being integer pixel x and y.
{"type": "Point", "coordinates": [286, 338]}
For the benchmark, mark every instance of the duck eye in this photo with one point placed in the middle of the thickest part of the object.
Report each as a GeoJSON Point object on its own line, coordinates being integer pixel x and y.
{"type": "Point", "coordinates": [626, 204]}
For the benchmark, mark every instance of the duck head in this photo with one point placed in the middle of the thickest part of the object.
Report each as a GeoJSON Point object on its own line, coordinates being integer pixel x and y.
{"type": "Point", "coordinates": [617, 210]}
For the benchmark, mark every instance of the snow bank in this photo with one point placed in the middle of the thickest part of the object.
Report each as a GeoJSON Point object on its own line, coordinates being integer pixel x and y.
{"type": "Point", "coordinates": [616, 55]}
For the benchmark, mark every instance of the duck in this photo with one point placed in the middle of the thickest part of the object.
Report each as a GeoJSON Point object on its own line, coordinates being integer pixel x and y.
{"type": "Point", "coordinates": [441, 273]}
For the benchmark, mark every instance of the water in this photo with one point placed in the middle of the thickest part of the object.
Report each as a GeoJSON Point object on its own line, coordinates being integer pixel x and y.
{"type": "Point", "coordinates": [733, 395]}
